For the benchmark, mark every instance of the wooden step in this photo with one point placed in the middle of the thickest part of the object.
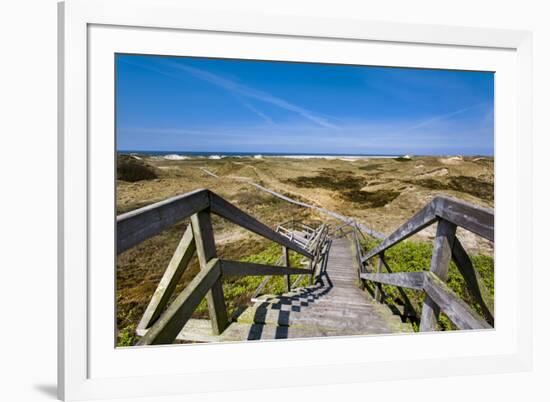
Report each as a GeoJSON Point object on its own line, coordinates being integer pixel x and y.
{"type": "Point", "coordinates": [329, 309]}
{"type": "Point", "coordinates": [360, 318]}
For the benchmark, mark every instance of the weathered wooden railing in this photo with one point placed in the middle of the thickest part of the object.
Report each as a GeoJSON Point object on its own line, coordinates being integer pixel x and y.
{"type": "Point", "coordinates": [162, 322]}
{"type": "Point", "coordinates": [449, 213]}
{"type": "Point", "coordinates": [311, 239]}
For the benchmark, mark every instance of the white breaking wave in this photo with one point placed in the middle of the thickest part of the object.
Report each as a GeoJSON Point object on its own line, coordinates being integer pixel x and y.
{"type": "Point", "coordinates": [339, 157]}
{"type": "Point", "coordinates": [175, 157]}
{"type": "Point", "coordinates": [349, 158]}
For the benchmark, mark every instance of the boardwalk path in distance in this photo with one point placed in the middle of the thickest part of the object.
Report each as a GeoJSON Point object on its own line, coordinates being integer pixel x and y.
{"type": "Point", "coordinates": [340, 217]}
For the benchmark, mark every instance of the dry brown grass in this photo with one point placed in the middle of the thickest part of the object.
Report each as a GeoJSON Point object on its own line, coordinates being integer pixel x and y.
{"type": "Point", "coordinates": [381, 193]}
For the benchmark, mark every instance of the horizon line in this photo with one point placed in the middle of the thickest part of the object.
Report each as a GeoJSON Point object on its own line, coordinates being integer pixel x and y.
{"type": "Point", "coordinates": [299, 153]}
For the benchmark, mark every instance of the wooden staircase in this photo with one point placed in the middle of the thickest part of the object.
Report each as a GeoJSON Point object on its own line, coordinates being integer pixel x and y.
{"type": "Point", "coordinates": [335, 306]}
{"type": "Point", "coordinates": [338, 266]}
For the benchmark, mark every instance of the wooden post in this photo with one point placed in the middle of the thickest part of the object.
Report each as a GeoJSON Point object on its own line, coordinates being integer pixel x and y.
{"type": "Point", "coordinates": [171, 277]}
{"type": "Point", "coordinates": [378, 287]}
{"type": "Point", "coordinates": [173, 319]}
{"type": "Point", "coordinates": [286, 263]}
{"type": "Point", "coordinates": [441, 256]}
{"type": "Point", "coordinates": [206, 251]}
{"type": "Point", "coordinates": [474, 282]}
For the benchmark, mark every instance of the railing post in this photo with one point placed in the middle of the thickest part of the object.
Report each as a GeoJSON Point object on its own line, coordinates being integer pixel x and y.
{"type": "Point", "coordinates": [378, 287]}
{"type": "Point", "coordinates": [441, 256]}
{"type": "Point", "coordinates": [286, 262]}
{"type": "Point", "coordinates": [206, 250]}
{"type": "Point", "coordinates": [171, 277]}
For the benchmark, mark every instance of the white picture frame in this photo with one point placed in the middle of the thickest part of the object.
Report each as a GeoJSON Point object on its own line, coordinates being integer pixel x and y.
{"type": "Point", "coordinates": [84, 26]}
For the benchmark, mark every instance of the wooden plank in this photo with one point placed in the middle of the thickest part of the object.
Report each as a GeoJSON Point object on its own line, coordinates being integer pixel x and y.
{"type": "Point", "coordinates": [171, 277]}
{"type": "Point", "coordinates": [138, 225]}
{"type": "Point", "coordinates": [473, 281]}
{"type": "Point", "coordinates": [240, 268]}
{"type": "Point", "coordinates": [262, 285]}
{"type": "Point", "coordinates": [471, 217]}
{"type": "Point", "coordinates": [307, 228]}
{"type": "Point", "coordinates": [321, 247]}
{"type": "Point", "coordinates": [221, 207]}
{"type": "Point", "coordinates": [170, 323]}
{"type": "Point", "coordinates": [441, 256]}
{"type": "Point", "coordinates": [378, 291]}
{"type": "Point", "coordinates": [206, 250]}
{"type": "Point", "coordinates": [474, 218]}
{"type": "Point", "coordinates": [318, 244]}
{"type": "Point", "coordinates": [411, 280]}
{"type": "Point", "coordinates": [326, 254]}
{"type": "Point", "coordinates": [425, 217]}
{"type": "Point", "coordinates": [283, 229]}
{"type": "Point", "coordinates": [456, 309]}
{"type": "Point", "coordinates": [286, 263]}
{"type": "Point", "coordinates": [410, 309]}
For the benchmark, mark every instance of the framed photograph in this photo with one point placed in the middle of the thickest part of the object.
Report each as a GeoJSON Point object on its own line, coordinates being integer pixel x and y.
{"type": "Point", "coordinates": [254, 201]}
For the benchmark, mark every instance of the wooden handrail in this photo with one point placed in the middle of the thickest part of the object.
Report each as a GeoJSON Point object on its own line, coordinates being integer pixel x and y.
{"type": "Point", "coordinates": [411, 280]}
{"type": "Point", "coordinates": [239, 268]}
{"type": "Point", "coordinates": [162, 322]}
{"type": "Point", "coordinates": [470, 217]}
{"type": "Point", "coordinates": [226, 210]}
{"type": "Point", "coordinates": [462, 315]}
{"type": "Point", "coordinates": [458, 312]}
{"type": "Point", "coordinates": [476, 219]}
{"type": "Point", "coordinates": [136, 226]}
{"type": "Point", "coordinates": [450, 213]}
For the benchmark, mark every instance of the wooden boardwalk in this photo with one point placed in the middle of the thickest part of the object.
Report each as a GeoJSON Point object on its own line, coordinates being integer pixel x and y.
{"type": "Point", "coordinates": [336, 307]}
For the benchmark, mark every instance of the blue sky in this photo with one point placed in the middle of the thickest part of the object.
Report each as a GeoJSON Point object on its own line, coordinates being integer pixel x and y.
{"type": "Point", "coordinates": [195, 104]}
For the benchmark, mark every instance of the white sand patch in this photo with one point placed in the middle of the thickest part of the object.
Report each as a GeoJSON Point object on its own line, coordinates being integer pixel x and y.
{"type": "Point", "coordinates": [230, 237]}
{"type": "Point", "coordinates": [434, 173]}
{"type": "Point", "coordinates": [453, 160]}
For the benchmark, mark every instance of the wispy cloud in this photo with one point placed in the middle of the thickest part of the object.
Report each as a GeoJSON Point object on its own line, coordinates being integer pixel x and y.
{"type": "Point", "coordinates": [361, 137]}
{"type": "Point", "coordinates": [248, 92]}
{"type": "Point", "coordinates": [258, 113]}
{"type": "Point", "coordinates": [440, 118]}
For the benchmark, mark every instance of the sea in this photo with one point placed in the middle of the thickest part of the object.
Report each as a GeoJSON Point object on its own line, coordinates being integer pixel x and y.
{"type": "Point", "coordinates": [182, 155]}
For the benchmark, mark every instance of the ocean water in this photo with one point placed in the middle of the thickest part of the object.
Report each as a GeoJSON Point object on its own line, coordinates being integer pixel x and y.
{"type": "Point", "coordinates": [181, 155]}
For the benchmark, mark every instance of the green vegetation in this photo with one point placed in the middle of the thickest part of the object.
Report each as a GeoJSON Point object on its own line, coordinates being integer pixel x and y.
{"type": "Point", "coordinates": [411, 256]}
{"type": "Point", "coordinates": [239, 290]}
{"type": "Point", "coordinates": [127, 336]}
{"type": "Point", "coordinates": [371, 166]}
{"type": "Point", "coordinates": [349, 187]}
{"type": "Point", "coordinates": [330, 179]}
{"type": "Point", "coordinates": [463, 184]}
{"type": "Point", "coordinates": [371, 199]}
